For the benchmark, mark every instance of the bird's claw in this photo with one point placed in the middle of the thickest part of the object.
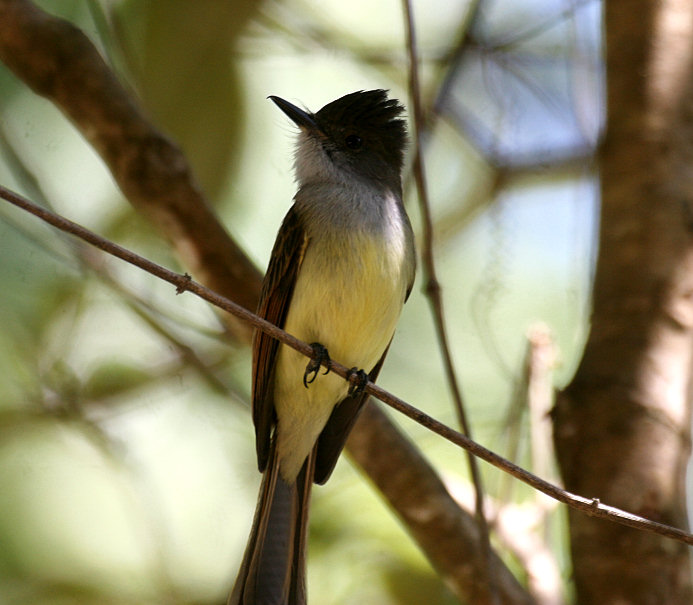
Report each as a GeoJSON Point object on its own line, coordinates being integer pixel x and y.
{"type": "Point", "coordinates": [320, 356]}
{"type": "Point", "coordinates": [357, 386]}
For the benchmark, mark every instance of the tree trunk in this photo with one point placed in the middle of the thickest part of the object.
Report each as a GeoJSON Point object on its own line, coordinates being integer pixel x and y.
{"type": "Point", "coordinates": [622, 428]}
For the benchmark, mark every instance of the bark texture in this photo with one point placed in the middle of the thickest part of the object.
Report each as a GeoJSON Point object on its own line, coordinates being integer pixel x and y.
{"type": "Point", "coordinates": [622, 428]}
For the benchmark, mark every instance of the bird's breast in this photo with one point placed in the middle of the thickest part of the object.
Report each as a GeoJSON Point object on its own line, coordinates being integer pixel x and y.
{"type": "Point", "coordinates": [349, 293]}
{"type": "Point", "coordinates": [348, 296]}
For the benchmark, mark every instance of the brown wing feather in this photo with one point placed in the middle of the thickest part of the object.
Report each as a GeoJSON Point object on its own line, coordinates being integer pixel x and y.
{"type": "Point", "coordinates": [334, 435]}
{"type": "Point", "coordinates": [277, 289]}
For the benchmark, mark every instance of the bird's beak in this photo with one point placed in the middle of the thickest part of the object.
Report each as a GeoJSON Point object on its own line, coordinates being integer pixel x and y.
{"type": "Point", "coordinates": [302, 119]}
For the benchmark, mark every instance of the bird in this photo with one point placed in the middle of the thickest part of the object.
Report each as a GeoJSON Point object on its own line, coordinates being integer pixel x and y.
{"type": "Point", "coordinates": [342, 266]}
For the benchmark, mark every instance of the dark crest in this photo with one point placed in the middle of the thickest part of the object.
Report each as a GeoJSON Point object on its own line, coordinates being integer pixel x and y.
{"type": "Point", "coordinates": [369, 115]}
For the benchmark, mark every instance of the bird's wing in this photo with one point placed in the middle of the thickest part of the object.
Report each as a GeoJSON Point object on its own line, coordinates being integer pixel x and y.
{"type": "Point", "coordinates": [334, 435]}
{"type": "Point", "coordinates": [275, 297]}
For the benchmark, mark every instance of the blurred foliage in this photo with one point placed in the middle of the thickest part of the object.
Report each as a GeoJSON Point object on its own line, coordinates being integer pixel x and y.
{"type": "Point", "coordinates": [126, 450]}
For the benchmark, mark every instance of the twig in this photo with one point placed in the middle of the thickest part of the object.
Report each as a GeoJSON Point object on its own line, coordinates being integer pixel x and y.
{"type": "Point", "coordinates": [433, 290]}
{"type": "Point", "coordinates": [183, 283]}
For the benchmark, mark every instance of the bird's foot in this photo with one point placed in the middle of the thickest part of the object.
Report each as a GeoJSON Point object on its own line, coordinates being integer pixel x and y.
{"type": "Point", "coordinates": [320, 356]}
{"type": "Point", "coordinates": [357, 385]}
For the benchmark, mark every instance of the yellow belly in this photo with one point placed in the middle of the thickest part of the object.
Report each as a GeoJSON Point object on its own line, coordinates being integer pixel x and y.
{"type": "Point", "coordinates": [350, 303]}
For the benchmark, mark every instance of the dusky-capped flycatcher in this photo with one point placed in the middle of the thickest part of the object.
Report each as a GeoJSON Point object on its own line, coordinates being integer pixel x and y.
{"type": "Point", "coordinates": [341, 268]}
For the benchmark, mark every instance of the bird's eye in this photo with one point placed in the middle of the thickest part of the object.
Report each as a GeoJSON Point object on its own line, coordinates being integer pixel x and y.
{"type": "Point", "coordinates": [353, 141]}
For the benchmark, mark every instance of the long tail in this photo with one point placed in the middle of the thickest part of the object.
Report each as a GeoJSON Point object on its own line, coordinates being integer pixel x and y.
{"type": "Point", "coordinates": [273, 571]}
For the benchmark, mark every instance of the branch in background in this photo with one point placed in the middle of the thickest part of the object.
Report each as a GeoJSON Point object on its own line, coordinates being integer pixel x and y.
{"type": "Point", "coordinates": [593, 507]}
{"type": "Point", "coordinates": [433, 291]}
{"type": "Point", "coordinates": [59, 62]}
{"type": "Point", "coordinates": [452, 538]}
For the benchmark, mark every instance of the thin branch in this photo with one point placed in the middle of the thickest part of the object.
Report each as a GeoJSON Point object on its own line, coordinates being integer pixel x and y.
{"type": "Point", "coordinates": [432, 285]}
{"type": "Point", "coordinates": [433, 291]}
{"type": "Point", "coordinates": [592, 507]}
